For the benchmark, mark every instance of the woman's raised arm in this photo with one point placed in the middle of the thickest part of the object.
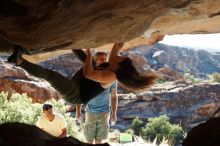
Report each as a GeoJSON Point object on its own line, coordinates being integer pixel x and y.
{"type": "Point", "coordinates": [116, 49]}
{"type": "Point", "coordinates": [101, 76]}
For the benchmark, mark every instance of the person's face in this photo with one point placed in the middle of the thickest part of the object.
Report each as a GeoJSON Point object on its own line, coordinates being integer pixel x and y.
{"type": "Point", "coordinates": [48, 111]}
{"type": "Point", "coordinates": [101, 58]}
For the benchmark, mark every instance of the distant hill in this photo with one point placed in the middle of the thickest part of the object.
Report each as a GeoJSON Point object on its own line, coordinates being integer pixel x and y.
{"type": "Point", "coordinates": [196, 62]}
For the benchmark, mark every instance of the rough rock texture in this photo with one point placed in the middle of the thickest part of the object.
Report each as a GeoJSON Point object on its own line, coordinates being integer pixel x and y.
{"type": "Point", "coordinates": [185, 104]}
{"type": "Point", "coordinates": [48, 25]}
{"type": "Point", "coordinates": [21, 134]}
{"type": "Point", "coordinates": [15, 80]}
{"type": "Point", "coordinates": [66, 64]}
{"type": "Point", "coordinates": [198, 63]}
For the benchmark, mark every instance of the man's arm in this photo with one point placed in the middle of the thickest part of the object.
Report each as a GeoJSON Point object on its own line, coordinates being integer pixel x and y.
{"type": "Point", "coordinates": [38, 123]}
{"type": "Point", "coordinates": [114, 104]}
{"type": "Point", "coordinates": [78, 112]}
{"type": "Point", "coordinates": [64, 133]}
{"type": "Point", "coordinates": [116, 49]}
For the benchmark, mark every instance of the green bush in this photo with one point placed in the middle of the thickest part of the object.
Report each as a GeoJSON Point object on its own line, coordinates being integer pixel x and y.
{"type": "Point", "coordinates": [137, 124]}
{"type": "Point", "coordinates": [160, 128]}
{"type": "Point", "coordinates": [215, 77]}
{"type": "Point", "coordinates": [191, 78]}
{"type": "Point", "coordinates": [129, 131]}
{"type": "Point", "coordinates": [19, 108]}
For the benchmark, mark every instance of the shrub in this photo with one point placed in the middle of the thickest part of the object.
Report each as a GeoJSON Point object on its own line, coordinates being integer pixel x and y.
{"type": "Point", "coordinates": [18, 109]}
{"type": "Point", "coordinates": [215, 77]}
{"type": "Point", "coordinates": [21, 109]}
{"type": "Point", "coordinates": [191, 78]}
{"type": "Point", "coordinates": [129, 131]}
{"type": "Point", "coordinates": [137, 124]}
{"type": "Point", "coordinates": [160, 128]}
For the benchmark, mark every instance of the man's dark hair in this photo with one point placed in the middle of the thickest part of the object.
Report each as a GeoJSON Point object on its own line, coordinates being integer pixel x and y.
{"type": "Point", "coordinates": [131, 79]}
{"type": "Point", "coordinates": [47, 106]}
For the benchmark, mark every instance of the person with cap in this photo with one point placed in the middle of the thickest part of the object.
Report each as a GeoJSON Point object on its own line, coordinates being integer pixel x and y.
{"type": "Point", "coordinates": [52, 123]}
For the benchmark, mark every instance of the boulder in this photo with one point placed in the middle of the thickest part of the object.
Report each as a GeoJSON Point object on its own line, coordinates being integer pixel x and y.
{"type": "Point", "coordinates": [21, 134]}
{"type": "Point", "coordinates": [205, 134]}
{"type": "Point", "coordinates": [42, 26]}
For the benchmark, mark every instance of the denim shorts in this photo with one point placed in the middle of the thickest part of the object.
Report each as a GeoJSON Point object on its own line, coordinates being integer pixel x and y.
{"type": "Point", "coordinates": [96, 126]}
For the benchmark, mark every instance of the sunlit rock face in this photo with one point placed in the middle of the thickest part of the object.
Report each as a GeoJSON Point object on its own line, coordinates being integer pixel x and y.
{"type": "Point", "coordinates": [15, 80]}
{"type": "Point", "coordinates": [181, 102]}
{"type": "Point", "coordinates": [44, 26]}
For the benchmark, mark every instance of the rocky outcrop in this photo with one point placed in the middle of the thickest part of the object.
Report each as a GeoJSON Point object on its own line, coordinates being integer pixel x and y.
{"type": "Point", "coordinates": [198, 63]}
{"type": "Point", "coordinates": [204, 134]}
{"type": "Point", "coordinates": [15, 80]}
{"type": "Point", "coordinates": [185, 104]}
{"type": "Point", "coordinates": [66, 64]}
{"type": "Point", "coordinates": [43, 26]}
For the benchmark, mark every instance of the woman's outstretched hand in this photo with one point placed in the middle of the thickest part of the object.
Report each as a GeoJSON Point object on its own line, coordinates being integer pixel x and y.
{"type": "Point", "coordinates": [88, 51]}
{"type": "Point", "coordinates": [156, 37]}
{"type": "Point", "coordinates": [119, 45]}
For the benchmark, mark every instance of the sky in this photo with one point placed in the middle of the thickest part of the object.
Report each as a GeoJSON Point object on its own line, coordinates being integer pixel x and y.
{"type": "Point", "coordinates": [209, 42]}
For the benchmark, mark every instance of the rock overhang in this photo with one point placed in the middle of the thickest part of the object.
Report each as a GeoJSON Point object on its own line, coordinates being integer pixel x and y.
{"type": "Point", "coordinates": [46, 26]}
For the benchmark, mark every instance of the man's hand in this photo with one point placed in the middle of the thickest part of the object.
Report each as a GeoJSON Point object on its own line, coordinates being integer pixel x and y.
{"type": "Point", "coordinates": [78, 113]}
{"type": "Point", "coordinates": [113, 119]}
{"type": "Point", "coordinates": [89, 52]}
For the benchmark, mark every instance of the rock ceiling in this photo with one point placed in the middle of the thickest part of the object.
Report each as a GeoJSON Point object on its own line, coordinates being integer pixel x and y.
{"type": "Point", "coordinates": [46, 26]}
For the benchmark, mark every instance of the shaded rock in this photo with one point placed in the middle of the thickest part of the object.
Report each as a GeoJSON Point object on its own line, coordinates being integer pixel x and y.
{"type": "Point", "coordinates": [205, 134]}
{"type": "Point", "coordinates": [49, 25]}
{"type": "Point", "coordinates": [21, 134]}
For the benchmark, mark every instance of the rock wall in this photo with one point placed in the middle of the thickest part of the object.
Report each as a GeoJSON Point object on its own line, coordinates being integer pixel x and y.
{"type": "Point", "coordinates": [43, 26]}
{"type": "Point", "coordinates": [184, 103]}
{"type": "Point", "coordinates": [199, 63]}
{"type": "Point", "coordinates": [15, 80]}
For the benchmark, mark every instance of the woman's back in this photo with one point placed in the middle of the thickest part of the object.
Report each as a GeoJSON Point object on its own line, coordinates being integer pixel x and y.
{"type": "Point", "coordinates": [89, 88]}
